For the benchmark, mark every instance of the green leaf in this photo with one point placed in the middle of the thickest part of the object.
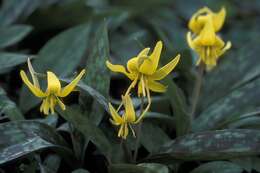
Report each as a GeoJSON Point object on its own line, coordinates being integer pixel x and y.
{"type": "Point", "coordinates": [248, 163]}
{"type": "Point", "coordinates": [153, 137]}
{"type": "Point", "coordinates": [61, 55]}
{"type": "Point", "coordinates": [21, 138]}
{"type": "Point", "coordinates": [13, 10]}
{"type": "Point", "coordinates": [8, 107]}
{"type": "Point", "coordinates": [87, 128]}
{"type": "Point", "coordinates": [97, 73]}
{"type": "Point", "coordinates": [177, 100]}
{"type": "Point", "coordinates": [142, 168]}
{"type": "Point", "coordinates": [9, 60]}
{"type": "Point", "coordinates": [52, 163]}
{"type": "Point", "coordinates": [234, 70]}
{"type": "Point", "coordinates": [218, 167]}
{"type": "Point", "coordinates": [212, 145]}
{"type": "Point", "coordinates": [80, 171]}
{"type": "Point", "coordinates": [155, 167]}
{"type": "Point", "coordinates": [237, 102]}
{"type": "Point", "coordinates": [13, 34]}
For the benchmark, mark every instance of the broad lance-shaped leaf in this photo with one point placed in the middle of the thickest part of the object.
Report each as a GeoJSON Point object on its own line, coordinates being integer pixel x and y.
{"type": "Point", "coordinates": [212, 145]}
{"type": "Point", "coordinates": [8, 107]}
{"type": "Point", "coordinates": [237, 102]}
{"type": "Point", "coordinates": [97, 73]}
{"type": "Point", "coordinates": [179, 107]}
{"type": "Point", "coordinates": [13, 34]}
{"type": "Point", "coordinates": [218, 167]}
{"type": "Point", "coordinates": [62, 54]}
{"type": "Point", "coordinates": [9, 60]}
{"type": "Point", "coordinates": [20, 138]}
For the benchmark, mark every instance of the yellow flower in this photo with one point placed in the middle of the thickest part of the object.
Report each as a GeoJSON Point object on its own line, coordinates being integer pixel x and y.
{"type": "Point", "coordinates": [143, 68]}
{"type": "Point", "coordinates": [127, 119]}
{"type": "Point", "coordinates": [208, 46]}
{"type": "Point", "coordinates": [53, 92]}
{"type": "Point", "coordinates": [204, 15]}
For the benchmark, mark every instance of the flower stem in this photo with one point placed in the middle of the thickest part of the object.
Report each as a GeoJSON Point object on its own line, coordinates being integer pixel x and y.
{"type": "Point", "coordinates": [197, 90]}
{"type": "Point", "coordinates": [138, 134]}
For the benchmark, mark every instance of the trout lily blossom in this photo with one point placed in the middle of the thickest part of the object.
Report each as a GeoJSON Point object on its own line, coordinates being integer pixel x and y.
{"type": "Point", "coordinates": [53, 92]}
{"type": "Point", "coordinates": [204, 41]}
{"type": "Point", "coordinates": [127, 119]}
{"type": "Point", "coordinates": [142, 69]}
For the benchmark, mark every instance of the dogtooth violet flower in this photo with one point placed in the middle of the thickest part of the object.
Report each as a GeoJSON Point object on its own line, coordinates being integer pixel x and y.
{"type": "Point", "coordinates": [53, 92]}
{"type": "Point", "coordinates": [207, 44]}
{"type": "Point", "coordinates": [201, 17]}
{"type": "Point", "coordinates": [127, 119]}
{"type": "Point", "coordinates": [142, 69]}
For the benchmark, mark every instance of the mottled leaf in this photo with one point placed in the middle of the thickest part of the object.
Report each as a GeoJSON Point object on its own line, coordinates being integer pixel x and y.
{"type": "Point", "coordinates": [237, 102]}
{"type": "Point", "coordinates": [8, 107]}
{"type": "Point", "coordinates": [212, 145]}
{"type": "Point", "coordinates": [218, 167]}
{"type": "Point", "coordinates": [20, 138]}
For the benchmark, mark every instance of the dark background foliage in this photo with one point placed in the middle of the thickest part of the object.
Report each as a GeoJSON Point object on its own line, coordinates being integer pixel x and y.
{"type": "Point", "coordinates": [65, 36]}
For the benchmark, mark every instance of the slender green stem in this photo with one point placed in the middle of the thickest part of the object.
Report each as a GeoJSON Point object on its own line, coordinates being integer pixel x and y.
{"type": "Point", "coordinates": [139, 130]}
{"type": "Point", "coordinates": [196, 90]}
{"type": "Point", "coordinates": [76, 148]}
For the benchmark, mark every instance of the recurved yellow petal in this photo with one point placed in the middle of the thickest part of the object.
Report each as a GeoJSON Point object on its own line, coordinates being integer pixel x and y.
{"type": "Point", "coordinates": [196, 25]}
{"type": "Point", "coordinates": [129, 108]}
{"type": "Point", "coordinates": [207, 35]}
{"type": "Point", "coordinates": [116, 118]}
{"type": "Point", "coordinates": [69, 88]}
{"type": "Point", "coordinates": [189, 40]}
{"type": "Point", "coordinates": [150, 65]}
{"type": "Point", "coordinates": [36, 91]}
{"type": "Point", "coordinates": [218, 19]}
{"type": "Point", "coordinates": [61, 104]}
{"type": "Point", "coordinates": [119, 69]}
{"type": "Point", "coordinates": [156, 86]}
{"type": "Point", "coordinates": [132, 65]}
{"type": "Point", "coordinates": [54, 86]}
{"type": "Point", "coordinates": [165, 70]}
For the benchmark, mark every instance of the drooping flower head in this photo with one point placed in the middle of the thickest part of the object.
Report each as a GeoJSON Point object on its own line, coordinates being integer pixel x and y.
{"type": "Point", "coordinates": [127, 119]}
{"type": "Point", "coordinates": [53, 94]}
{"type": "Point", "coordinates": [142, 69]}
{"type": "Point", "coordinates": [204, 41]}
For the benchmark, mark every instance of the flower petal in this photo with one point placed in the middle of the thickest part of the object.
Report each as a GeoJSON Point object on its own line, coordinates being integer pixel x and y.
{"type": "Point", "coordinates": [132, 65]}
{"type": "Point", "coordinates": [156, 86]}
{"type": "Point", "coordinates": [119, 69]}
{"type": "Point", "coordinates": [36, 91]}
{"type": "Point", "coordinates": [61, 104]}
{"type": "Point", "coordinates": [54, 86]}
{"type": "Point", "coordinates": [165, 70]}
{"type": "Point", "coordinates": [150, 65]}
{"type": "Point", "coordinates": [116, 118]}
{"type": "Point", "coordinates": [189, 40]}
{"type": "Point", "coordinates": [129, 108]}
{"type": "Point", "coordinates": [218, 19]}
{"type": "Point", "coordinates": [207, 35]}
{"type": "Point", "coordinates": [69, 88]}
{"type": "Point", "coordinates": [32, 72]}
